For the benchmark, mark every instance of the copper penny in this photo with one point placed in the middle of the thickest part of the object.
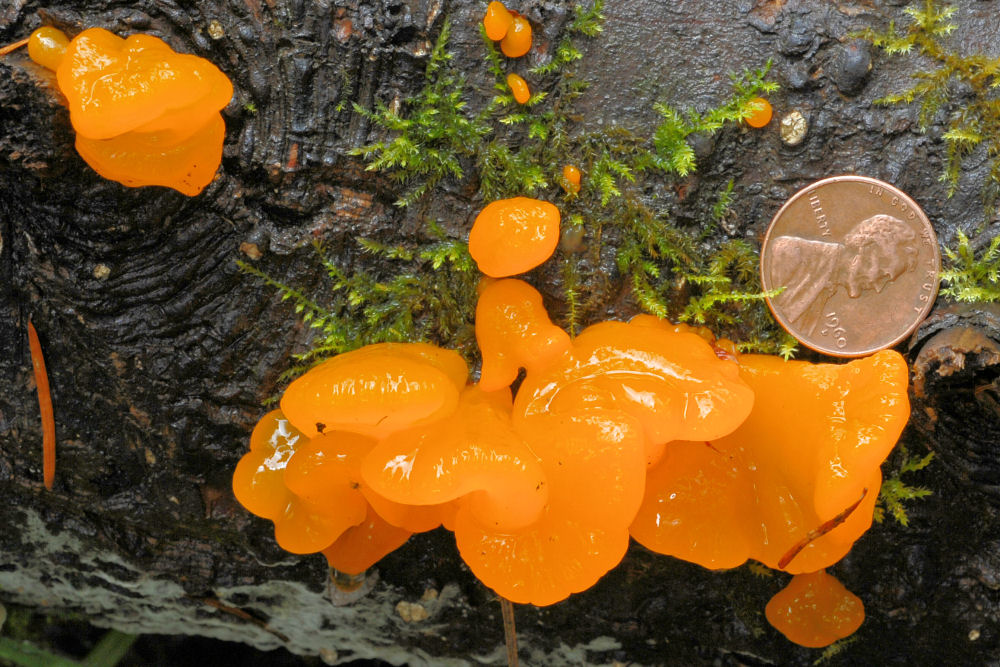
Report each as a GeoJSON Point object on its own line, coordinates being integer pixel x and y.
{"type": "Point", "coordinates": [859, 262]}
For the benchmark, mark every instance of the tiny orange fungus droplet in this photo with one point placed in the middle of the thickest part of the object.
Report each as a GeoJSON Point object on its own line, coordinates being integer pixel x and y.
{"type": "Point", "coordinates": [519, 87]}
{"type": "Point", "coordinates": [511, 236]}
{"type": "Point", "coordinates": [47, 45]}
{"type": "Point", "coordinates": [497, 21]}
{"type": "Point", "coordinates": [815, 610]}
{"type": "Point", "coordinates": [762, 112]}
{"type": "Point", "coordinates": [571, 178]}
{"type": "Point", "coordinates": [517, 41]}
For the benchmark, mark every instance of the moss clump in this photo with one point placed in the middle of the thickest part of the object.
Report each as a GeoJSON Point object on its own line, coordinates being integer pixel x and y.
{"type": "Point", "coordinates": [972, 276]}
{"type": "Point", "coordinates": [963, 86]}
{"type": "Point", "coordinates": [895, 493]}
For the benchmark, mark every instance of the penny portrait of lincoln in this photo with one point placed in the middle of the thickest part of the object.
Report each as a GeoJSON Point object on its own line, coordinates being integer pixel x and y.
{"type": "Point", "coordinates": [873, 253]}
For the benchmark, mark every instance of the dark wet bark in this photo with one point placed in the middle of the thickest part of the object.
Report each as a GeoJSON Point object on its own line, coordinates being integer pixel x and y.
{"type": "Point", "coordinates": [160, 352]}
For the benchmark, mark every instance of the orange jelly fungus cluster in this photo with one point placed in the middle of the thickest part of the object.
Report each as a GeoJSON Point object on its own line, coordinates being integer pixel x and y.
{"type": "Point", "coordinates": [512, 30]}
{"type": "Point", "coordinates": [571, 178]}
{"type": "Point", "coordinates": [815, 610]}
{"type": "Point", "coordinates": [645, 428]}
{"type": "Point", "coordinates": [511, 236]}
{"type": "Point", "coordinates": [762, 113]}
{"type": "Point", "coordinates": [143, 114]}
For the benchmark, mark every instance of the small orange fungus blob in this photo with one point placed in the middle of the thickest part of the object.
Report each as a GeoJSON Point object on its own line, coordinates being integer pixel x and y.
{"type": "Point", "coordinates": [517, 41]}
{"type": "Point", "coordinates": [474, 453]}
{"type": "Point", "coordinates": [514, 331]}
{"type": "Point", "coordinates": [376, 390]}
{"type": "Point", "coordinates": [762, 112]}
{"type": "Point", "coordinates": [815, 610]}
{"type": "Point", "coordinates": [571, 178]}
{"type": "Point", "coordinates": [809, 451]}
{"type": "Point", "coordinates": [511, 236]}
{"type": "Point", "coordinates": [497, 21]}
{"type": "Point", "coordinates": [519, 87]}
{"type": "Point", "coordinates": [46, 46]}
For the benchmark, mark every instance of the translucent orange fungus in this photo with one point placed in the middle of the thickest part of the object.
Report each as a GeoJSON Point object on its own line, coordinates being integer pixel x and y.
{"type": "Point", "coordinates": [46, 46]}
{"type": "Point", "coordinates": [511, 236]}
{"type": "Point", "coordinates": [514, 331]}
{"type": "Point", "coordinates": [303, 522]}
{"type": "Point", "coordinates": [762, 112]}
{"type": "Point", "coordinates": [815, 610]}
{"type": "Point", "coordinates": [143, 114]}
{"type": "Point", "coordinates": [376, 390]}
{"type": "Point", "coordinates": [810, 450]}
{"type": "Point", "coordinates": [497, 21]}
{"type": "Point", "coordinates": [517, 41]}
{"type": "Point", "coordinates": [519, 87]}
{"type": "Point", "coordinates": [474, 454]}
{"type": "Point", "coordinates": [571, 178]}
{"type": "Point", "coordinates": [363, 545]}
{"type": "Point", "coordinates": [594, 466]}
{"type": "Point", "coordinates": [673, 383]}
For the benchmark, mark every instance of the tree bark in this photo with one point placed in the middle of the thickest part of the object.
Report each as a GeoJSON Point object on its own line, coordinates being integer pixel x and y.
{"type": "Point", "coordinates": [160, 351]}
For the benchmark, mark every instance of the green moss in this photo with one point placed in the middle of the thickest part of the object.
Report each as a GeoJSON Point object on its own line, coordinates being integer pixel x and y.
{"type": "Point", "coordinates": [895, 493]}
{"type": "Point", "coordinates": [965, 87]}
{"type": "Point", "coordinates": [970, 277]}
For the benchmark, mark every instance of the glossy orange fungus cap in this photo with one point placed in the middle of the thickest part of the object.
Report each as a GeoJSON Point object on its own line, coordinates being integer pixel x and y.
{"type": "Point", "coordinates": [815, 610]}
{"type": "Point", "coordinates": [517, 41]}
{"type": "Point", "coordinates": [762, 113]}
{"type": "Point", "coordinates": [511, 236]}
{"type": "Point", "coordinates": [777, 487]}
{"type": "Point", "coordinates": [514, 331]}
{"type": "Point", "coordinates": [143, 114]}
{"type": "Point", "coordinates": [571, 178]}
{"type": "Point", "coordinates": [519, 87]}
{"type": "Point", "coordinates": [376, 390]}
{"type": "Point", "coordinates": [497, 21]}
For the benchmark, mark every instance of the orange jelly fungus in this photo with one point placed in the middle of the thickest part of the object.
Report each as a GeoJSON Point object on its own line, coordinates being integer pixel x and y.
{"type": "Point", "coordinates": [143, 114]}
{"type": "Point", "coordinates": [497, 21]}
{"type": "Point", "coordinates": [815, 610]}
{"type": "Point", "coordinates": [363, 545]}
{"type": "Point", "coordinates": [46, 46]}
{"type": "Point", "coordinates": [673, 383]}
{"type": "Point", "coordinates": [571, 178]}
{"type": "Point", "coordinates": [594, 467]}
{"type": "Point", "coordinates": [762, 112]}
{"type": "Point", "coordinates": [474, 454]}
{"type": "Point", "coordinates": [376, 390]}
{"type": "Point", "coordinates": [519, 87]}
{"type": "Point", "coordinates": [511, 236]}
{"type": "Point", "coordinates": [810, 450]}
{"type": "Point", "coordinates": [517, 41]}
{"type": "Point", "coordinates": [514, 331]}
{"type": "Point", "coordinates": [304, 522]}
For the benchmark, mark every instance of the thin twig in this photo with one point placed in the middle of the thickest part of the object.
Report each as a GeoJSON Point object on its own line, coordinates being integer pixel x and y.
{"type": "Point", "coordinates": [509, 632]}
{"type": "Point", "coordinates": [4, 50]}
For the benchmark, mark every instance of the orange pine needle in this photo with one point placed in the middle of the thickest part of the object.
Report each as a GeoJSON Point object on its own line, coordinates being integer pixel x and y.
{"type": "Point", "coordinates": [817, 533]}
{"type": "Point", "coordinates": [45, 407]}
{"type": "Point", "coordinates": [4, 50]}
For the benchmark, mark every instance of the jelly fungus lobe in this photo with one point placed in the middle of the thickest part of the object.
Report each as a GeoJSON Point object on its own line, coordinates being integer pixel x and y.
{"type": "Point", "coordinates": [511, 236]}
{"type": "Point", "coordinates": [815, 610]}
{"type": "Point", "coordinates": [517, 41]}
{"type": "Point", "coordinates": [519, 87]}
{"type": "Point", "coordinates": [514, 331]}
{"type": "Point", "coordinates": [46, 46]}
{"type": "Point", "coordinates": [497, 21]}
{"type": "Point", "coordinates": [571, 179]}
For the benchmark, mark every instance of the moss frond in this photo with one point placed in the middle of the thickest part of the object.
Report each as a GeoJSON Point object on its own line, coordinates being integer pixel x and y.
{"type": "Point", "coordinates": [971, 276]}
{"type": "Point", "coordinates": [895, 493]}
